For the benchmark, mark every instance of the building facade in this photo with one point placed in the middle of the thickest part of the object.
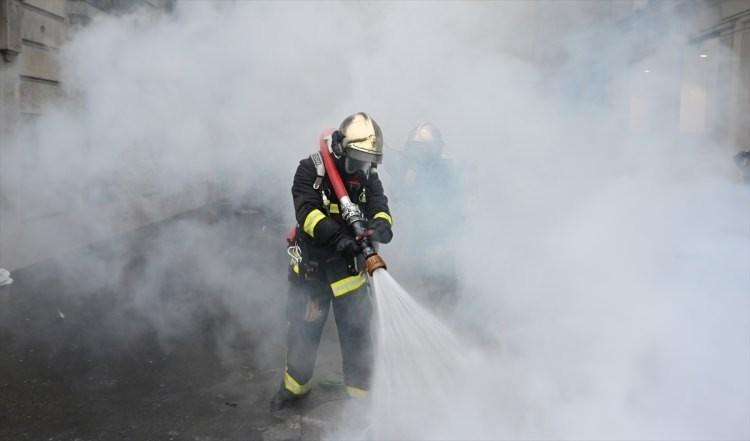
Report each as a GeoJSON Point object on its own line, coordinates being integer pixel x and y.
{"type": "Point", "coordinates": [709, 68]}
{"type": "Point", "coordinates": [37, 218]}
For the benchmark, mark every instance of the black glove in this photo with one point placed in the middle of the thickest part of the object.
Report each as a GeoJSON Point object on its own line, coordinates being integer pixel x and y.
{"type": "Point", "coordinates": [346, 245]}
{"type": "Point", "coordinates": [381, 231]}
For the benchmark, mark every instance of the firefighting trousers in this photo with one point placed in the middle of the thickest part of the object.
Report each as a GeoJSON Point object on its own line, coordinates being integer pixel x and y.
{"type": "Point", "coordinates": [307, 310]}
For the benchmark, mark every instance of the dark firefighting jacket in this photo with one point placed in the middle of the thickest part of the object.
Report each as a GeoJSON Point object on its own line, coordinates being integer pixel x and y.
{"type": "Point", "coordinates": [320, 225]}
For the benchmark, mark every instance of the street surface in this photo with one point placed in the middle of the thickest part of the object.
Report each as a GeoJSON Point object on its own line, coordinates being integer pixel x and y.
{"type": "Point", "coordinates": [141, 338]}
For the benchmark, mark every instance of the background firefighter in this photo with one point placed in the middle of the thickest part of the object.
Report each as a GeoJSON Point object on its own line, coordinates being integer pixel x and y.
{"type": "Point", "coordinates": [327, 266]}
{"type": "Point", "coordinates": [742, 159]}
{"type": "Point", "coordinates": [423, 176]}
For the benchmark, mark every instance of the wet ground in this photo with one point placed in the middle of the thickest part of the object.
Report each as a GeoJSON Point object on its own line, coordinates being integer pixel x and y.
{"type": "Point", "coordinates": [171, 332]}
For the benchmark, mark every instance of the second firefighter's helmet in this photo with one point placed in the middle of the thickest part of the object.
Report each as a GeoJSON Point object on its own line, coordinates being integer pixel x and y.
{"type": "Point", "coordinates": [425, 139]}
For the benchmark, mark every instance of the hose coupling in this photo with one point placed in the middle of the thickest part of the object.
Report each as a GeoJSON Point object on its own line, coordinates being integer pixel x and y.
{"type": "Point", "coordinates": [374, 262]}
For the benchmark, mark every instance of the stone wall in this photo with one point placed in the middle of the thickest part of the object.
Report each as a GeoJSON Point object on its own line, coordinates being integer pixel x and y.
{"type": "Point", "coordinates": [38, 219]}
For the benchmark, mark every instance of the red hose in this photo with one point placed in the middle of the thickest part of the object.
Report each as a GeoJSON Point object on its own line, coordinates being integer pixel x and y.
{"type": "Point", "coordinates": [372, 260]}
{"type": "Point", "coordinates": [333, 172]}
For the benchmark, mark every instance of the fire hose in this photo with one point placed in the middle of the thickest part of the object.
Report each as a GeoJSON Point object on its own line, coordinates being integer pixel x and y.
{"type": "Point", "coordinates": [349, 210]}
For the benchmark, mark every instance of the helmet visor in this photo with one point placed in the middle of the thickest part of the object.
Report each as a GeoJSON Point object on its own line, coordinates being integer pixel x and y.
{"type": "Point", "coordinates": [425, 150]}
{"type": "Point", "coordinates": [354, 153]}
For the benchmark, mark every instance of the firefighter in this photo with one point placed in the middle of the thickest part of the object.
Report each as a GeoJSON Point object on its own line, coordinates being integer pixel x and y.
{"type": "Point", "coordinates": [742, 159]}
{"type": "Point", "coordinates": [426, 175]}
{"type": "Point", "coordinates": [327, 267]}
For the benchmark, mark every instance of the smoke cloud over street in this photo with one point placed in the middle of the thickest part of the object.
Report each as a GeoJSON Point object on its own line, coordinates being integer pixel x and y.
{"type": "Point", "coordinates": [602, 254]}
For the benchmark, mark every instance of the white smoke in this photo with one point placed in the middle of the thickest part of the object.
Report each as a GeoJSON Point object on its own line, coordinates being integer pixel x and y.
{"type": "Point", "coordinates": [609, 270]}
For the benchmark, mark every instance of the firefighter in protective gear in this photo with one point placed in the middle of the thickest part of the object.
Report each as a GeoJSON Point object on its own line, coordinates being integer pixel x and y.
{"type": "Point", "coordinates": [742, 159]}
{"type": "Point", "coordinates": [327, 267]}
{"type": "Point", "coordinates": [425, 175]}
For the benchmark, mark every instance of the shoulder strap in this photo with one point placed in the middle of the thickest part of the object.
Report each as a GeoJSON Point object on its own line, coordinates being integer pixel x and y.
{"type": "Point", "coordinates": [320, 169]}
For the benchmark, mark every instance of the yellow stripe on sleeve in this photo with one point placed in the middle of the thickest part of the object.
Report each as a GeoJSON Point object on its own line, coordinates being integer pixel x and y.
{"type": "Point", "coordinates": [311, 221]}
{"type": "Point", "coordinates": [384, 215]}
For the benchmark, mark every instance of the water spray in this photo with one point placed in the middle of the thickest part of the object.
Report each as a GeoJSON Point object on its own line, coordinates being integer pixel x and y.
{"type": "Point", "coordinates": [349, 210]}
{"type": "Point", "coordinates": [411, 370]}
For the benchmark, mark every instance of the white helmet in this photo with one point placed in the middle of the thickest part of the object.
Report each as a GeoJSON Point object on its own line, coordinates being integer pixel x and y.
{"type": "Point", "coordinates": [361, 143]}
{"type": "Point", "coordinates": [362, 138]}
{"type": "Point", "coordinates": [425, 139]}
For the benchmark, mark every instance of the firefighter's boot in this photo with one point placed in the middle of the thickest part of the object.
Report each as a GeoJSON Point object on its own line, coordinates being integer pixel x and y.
{"type": "Point", "coordinates": [285, 399]}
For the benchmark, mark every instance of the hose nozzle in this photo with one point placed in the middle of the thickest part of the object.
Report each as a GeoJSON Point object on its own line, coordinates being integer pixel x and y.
{"type": "Point", "coordinates": [374, 262]}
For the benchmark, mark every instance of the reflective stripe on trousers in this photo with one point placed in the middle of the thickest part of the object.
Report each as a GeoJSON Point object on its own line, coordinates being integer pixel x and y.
{"type": "Point", "coordinates": [294, 387]}
{"type": "Point", "coordinates": [355, 391]}
{"type": "Point", "coordinates": [348, 284]}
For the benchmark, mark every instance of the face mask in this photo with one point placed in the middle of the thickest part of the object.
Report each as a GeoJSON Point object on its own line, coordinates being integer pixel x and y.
{"type": "Point", "coordinates": [353, 186]}
{"type": "Point", "coordinates": [352, 166]}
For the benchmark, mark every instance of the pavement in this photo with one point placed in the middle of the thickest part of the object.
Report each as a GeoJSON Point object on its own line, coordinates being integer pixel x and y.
{"type": "Point", "coordinates": [173, 332]}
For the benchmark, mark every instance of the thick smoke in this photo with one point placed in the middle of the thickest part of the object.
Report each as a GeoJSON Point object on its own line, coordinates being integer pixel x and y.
{"type": "Point", "coordinates": [603, 273]}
